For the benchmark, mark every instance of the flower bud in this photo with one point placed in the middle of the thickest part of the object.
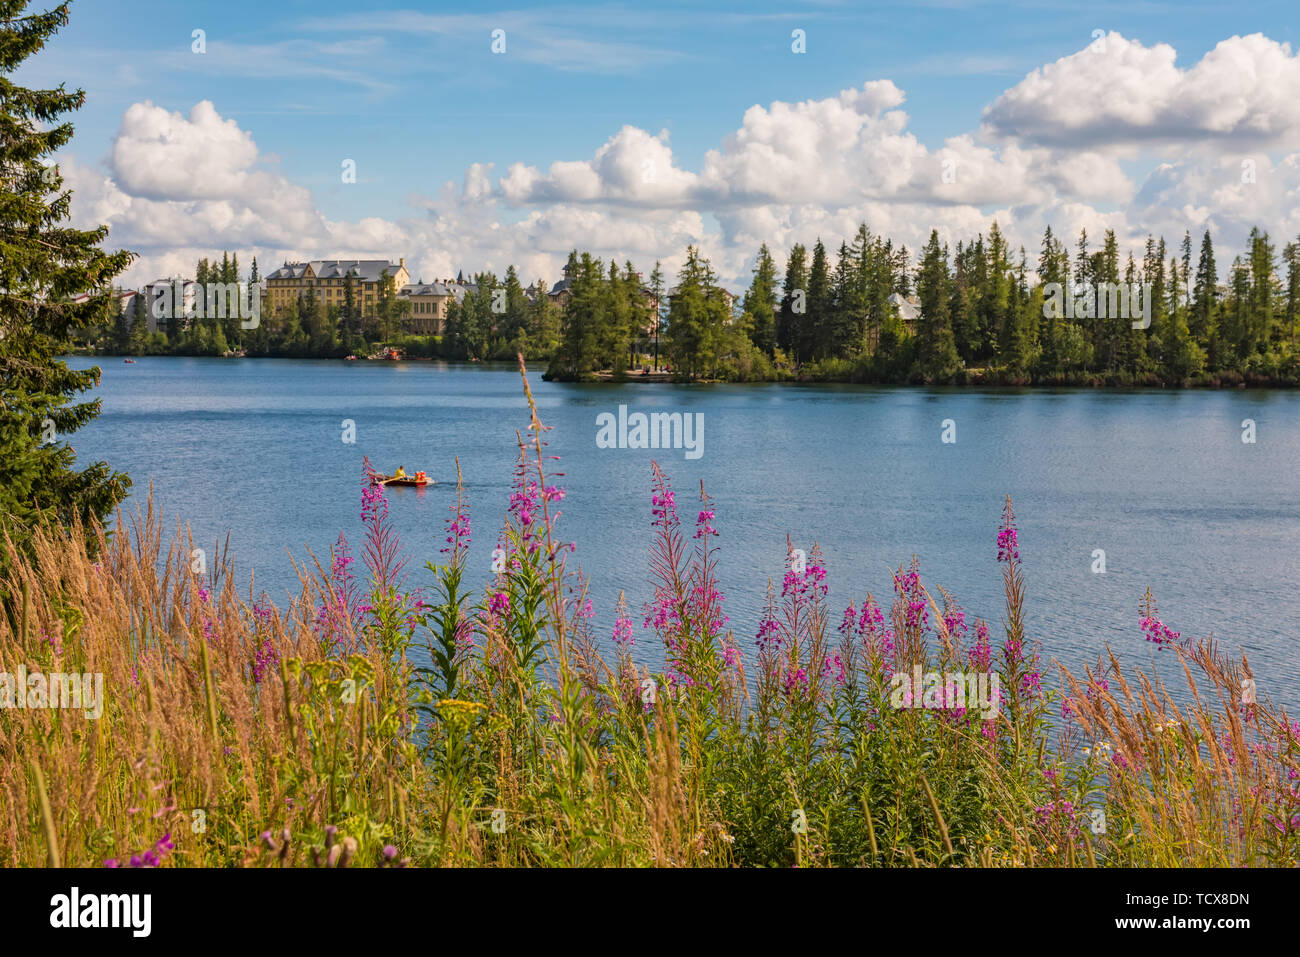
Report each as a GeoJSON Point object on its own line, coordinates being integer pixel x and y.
{"type": "Point", "coordinates": [349, 850]}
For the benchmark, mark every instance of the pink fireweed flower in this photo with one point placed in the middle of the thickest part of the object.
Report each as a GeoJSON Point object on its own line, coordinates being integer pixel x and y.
{"type": "Point", "coordinates": [523, 502]}
{"type": "Point", "coordinates": [499, 603]}
{"type": "Point", "coordinates": [374, 506]}
{"type": "Point", "coordinates": [264, 658]}
{"type": "Point", "coordinates": [1155, 630]}
{"type": "Point", "coordinates": [955, 621]}
{"type": "Point", "coordinates": [209, 624]}
{"type": "Point", "coordinates": [150, 858]}
{"type": "Point", "coordinates": [702, 526]}
{"type": "Point", "coordinates": [1012, 649]}
{"type": "Point", "coordinates": [808, 584]}
{"type": "Point", "coordinates": [849, 620]}
{"type": "Point", "coordinates": [663, 615]}
{"type": "Point", "coordinates": [458, 533]}
{"type": "Point", "coordinates": [834, 665]}
{"type": "Point", "coordinates": [916, 608]}
{"type": "Point", "coordinates": [981, 653]}
{"type": "Point", "coordinates": [263, 614]}
{"type": "Point", "coordinates": [1007, 546]}
{"type": "Point", "coordinates": [664, 509]}
{"type": "Point", "coordinates": [769, 634]}
{"type": "Point", "coordinates": [797, 679]}
{"type": "Point", "coordinates": [871, 623]}
{"type": "Point", "coordinates": [623, 632]}
{"type": "Point", "coordinates": [464, 636]}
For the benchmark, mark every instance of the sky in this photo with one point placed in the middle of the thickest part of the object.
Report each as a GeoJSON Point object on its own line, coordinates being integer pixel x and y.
{"type": "Point", "coordinates": [484, 136]}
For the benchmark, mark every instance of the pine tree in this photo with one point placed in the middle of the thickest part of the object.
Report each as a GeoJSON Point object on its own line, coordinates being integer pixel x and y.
{"type": "Point", "coordinates": [513, 324]}
{"type": "Point", "coordinates": [656, 308]}
{"type": "Point", "coordinates": [543, 324]}
{"type": "Point", "coordinates": [120, 334]}
{"type": "Point", "coordinates": [761, 302]}
{"type": "Point", "coordinates": [1260, 334]}
{"type": "Point", "coordinates": [696, 317]}
{"type": "Point", "coordinates": [387, 312]}
{"type": "Point", "coordinates": [960, 309]}
{"type": "Point", "coordinates": [937, 358]}
{"type": "Point", "coordinates": [45, 264]}
{"type": "Point", "coordinates": [579, 351]}
{"type": "Point", "coordinates": [813, 333]}
{"type": "Point", "coordinates": [351, 313]}
{"type": "Point", "coordinates": [794, 300]}
{"type": "Point", "coordinates": [1205, 297]}
{"type": "Point", "coordinates": [138, 337]}
{"type": "Point", "coordinates": [994, 303]}
{"type": "Point", "coordinates": [1053, 269]}
{"type": "Point", "coordinates": [617, 314]}
{"type": "Point", "coordinates": [839, 338]}
{"type": "Point", "coordinates": [1291, 307]}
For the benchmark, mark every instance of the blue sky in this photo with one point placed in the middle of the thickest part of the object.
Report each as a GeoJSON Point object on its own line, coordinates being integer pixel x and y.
{"type": "Point", "coordinates": [415, 95]}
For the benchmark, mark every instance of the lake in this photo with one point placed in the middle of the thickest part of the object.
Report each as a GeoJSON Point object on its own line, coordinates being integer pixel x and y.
{"type": "Point", "coordinates": [1159, 480]}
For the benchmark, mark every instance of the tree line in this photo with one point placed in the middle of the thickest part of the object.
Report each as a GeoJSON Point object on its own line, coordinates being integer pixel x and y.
{"type": "Point", "coordinates": [979, 312]}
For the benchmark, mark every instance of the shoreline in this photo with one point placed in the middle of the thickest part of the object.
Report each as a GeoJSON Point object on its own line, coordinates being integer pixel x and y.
{"type": "Point", "coordinates": [979, 379]}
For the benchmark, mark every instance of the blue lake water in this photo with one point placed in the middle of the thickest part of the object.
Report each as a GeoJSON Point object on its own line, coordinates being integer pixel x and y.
{"type": "Point", "coordinates": [1160, 480]}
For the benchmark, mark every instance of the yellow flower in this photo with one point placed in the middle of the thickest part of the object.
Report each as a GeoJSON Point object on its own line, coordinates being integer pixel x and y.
{"type": "Point", "coordinates": [454, 705]}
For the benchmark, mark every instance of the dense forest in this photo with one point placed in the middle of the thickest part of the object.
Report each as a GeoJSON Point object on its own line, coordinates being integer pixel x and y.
{"type": "Point", "coordinates": [981, 314]}
{"type": "Point", "coordinates": [868, 312]}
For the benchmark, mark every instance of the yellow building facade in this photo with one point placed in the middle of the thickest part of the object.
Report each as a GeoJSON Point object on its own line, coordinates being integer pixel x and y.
{"type": "Point", "coordinates": [327, 278]}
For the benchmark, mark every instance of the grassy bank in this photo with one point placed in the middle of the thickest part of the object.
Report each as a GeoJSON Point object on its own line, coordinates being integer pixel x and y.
{"type": "Point", "coordinates": [403, 716]}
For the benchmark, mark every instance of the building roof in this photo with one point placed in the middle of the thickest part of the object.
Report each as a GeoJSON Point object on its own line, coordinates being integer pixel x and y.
{"type": "Point", "coordinates": [362, 270]}
{"type": "Point", "coordinates": [908, 309]}
{"type": "Point", "coordinates": [425, 289]}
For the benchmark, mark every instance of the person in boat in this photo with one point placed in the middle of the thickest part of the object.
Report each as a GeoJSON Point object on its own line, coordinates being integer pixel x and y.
{"type": "Point", "coordinates": [400, 474]}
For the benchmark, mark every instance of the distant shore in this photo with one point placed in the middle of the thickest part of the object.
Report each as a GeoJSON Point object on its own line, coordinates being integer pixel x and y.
{"type": "Point", "coordinates": [818, 374]}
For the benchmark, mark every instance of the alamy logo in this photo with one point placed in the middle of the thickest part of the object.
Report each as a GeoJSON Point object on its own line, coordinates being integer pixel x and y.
{"type": "Point", "coordinates": [977, 691]}
{"type": "Point", "coordinates": [211, 300]}
{"type": "Point", "coordinates": [55, 690]}
{"type": "Point", "coordinates": [658, 430]}
{"type": "Point", "coordinates": [1105, 300]}
{"type": "Point", "coordinates": [102, 910]}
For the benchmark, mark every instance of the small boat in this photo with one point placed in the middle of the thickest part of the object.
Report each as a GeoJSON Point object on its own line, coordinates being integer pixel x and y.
{"type": "Point", "coordinates": [418, 480]}
{"type": "Point", "coordinates": [349, 358]}
{"type": "Point", "coordinates": [129, 361]}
